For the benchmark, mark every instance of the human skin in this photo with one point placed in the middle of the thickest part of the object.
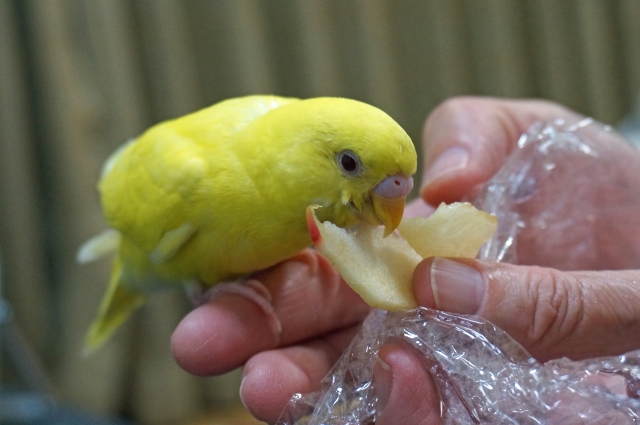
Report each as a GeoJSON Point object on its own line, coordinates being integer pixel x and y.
{"type": "Point", "coordinates": [577, 314]}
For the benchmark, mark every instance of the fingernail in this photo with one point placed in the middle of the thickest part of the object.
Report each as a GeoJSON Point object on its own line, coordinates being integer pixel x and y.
{"type": "Point", "coordinates": [382, 383]}
{"type": "Point", "coordinates": [457, 287]}
{"type": "Point", "coordinates": [240, 393]}
{"type": "Point", "coordinates": [450, 160]}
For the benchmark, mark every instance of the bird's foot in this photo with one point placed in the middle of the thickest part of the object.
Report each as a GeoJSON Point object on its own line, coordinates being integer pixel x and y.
{"type": "Point", "coordinates": [250, 289]}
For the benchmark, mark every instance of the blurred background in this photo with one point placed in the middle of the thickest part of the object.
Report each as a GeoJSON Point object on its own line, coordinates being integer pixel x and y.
{"type": "Point", "coordinates": [80, 77]}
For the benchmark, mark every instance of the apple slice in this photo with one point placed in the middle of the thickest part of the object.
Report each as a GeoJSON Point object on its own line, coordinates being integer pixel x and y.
{"type": "Point", "coordinates": [380, 269]}
{"type": "Point", "coordinates": [455, 230]}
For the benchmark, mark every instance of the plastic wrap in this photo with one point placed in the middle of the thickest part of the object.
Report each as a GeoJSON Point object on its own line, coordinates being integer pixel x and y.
{"type": "Point", "coordinates": [482, 375]}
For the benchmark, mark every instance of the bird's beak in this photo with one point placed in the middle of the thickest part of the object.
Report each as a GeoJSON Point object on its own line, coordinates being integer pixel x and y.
{"type": "Point", "coordinates": [388, 199]}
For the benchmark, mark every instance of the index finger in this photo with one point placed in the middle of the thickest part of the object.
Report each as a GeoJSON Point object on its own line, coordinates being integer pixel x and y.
{"type": "Point", "coordinates": [467, 139]}
{"type": "Point", "coordinates": [309, 299]}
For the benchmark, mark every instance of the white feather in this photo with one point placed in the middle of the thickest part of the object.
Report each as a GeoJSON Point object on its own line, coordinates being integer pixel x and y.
{"type": "Point", "coordinates": [99, 246]}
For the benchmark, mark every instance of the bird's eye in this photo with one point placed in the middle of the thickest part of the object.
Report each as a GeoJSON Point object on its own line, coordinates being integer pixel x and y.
{"type": "Point", "coordinates": [349, 163]}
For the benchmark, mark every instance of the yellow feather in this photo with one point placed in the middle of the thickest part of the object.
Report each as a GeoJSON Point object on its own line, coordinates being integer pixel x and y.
{"type": "Point", "coordinates": [116, 306]}
{"type": "Point", "coordinates": [222, 192]}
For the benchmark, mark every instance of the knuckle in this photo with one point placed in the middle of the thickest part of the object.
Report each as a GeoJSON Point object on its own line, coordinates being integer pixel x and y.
{"type": "Point", "coordinates": [557, 310]}
{"type": "Point", "coordinates": [451, 107]}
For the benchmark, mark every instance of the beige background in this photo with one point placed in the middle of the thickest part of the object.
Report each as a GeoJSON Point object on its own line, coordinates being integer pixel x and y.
{"type": "Point", "coordinates": [80, 77]}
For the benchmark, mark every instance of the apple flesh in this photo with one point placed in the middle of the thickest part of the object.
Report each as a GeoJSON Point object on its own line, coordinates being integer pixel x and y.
{"type": "Point", "coordinates": [455, 230]}
{"type": "Point", "coordinates": [380, 269]}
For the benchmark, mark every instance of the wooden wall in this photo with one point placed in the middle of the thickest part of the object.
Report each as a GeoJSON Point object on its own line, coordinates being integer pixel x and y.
{"type": "Point", "coordinates": [80, 77]}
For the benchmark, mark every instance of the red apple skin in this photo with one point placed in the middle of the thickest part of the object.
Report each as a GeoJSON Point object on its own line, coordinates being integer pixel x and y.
{"type": "Point", "coordinates": [314, 232]}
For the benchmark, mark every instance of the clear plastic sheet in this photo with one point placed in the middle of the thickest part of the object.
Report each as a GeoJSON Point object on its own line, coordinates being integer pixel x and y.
{"type": "Point", "coordinates": [482, 375]}
{"type": "Point", "coordinates": [567, 198]}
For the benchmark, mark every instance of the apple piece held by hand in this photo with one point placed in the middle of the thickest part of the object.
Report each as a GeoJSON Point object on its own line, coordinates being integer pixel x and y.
{"type": "Point", "coordinates": [454, 230]}
{"type": "Point", "coordinates": [380, 269]}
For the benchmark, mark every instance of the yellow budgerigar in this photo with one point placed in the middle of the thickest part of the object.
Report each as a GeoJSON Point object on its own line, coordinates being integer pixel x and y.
{"type": "Point", "coordinates": [222, 192]}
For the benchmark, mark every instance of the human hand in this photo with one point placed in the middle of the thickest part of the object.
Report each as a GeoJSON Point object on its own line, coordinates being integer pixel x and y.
{"type": "Point", "coordinates": [316, 316]}
{"type": "Point", "coordinates": [552, 313]}
{"type": "Point", "coordinates": [577, 314]}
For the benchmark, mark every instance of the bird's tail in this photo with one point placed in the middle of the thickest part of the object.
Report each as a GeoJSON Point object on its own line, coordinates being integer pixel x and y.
{"type": "Point", "coordinates": [116, 306]}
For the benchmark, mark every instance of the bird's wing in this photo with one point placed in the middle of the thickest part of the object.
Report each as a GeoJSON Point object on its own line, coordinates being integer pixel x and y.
{"type": "Point", "coordinates": [147, 191]}
{"type": "Point", "coordinates": [151, 187]}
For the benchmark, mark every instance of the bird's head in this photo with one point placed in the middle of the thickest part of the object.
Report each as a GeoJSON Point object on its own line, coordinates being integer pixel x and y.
{"type": "Point", "coordinates": [358, 161]}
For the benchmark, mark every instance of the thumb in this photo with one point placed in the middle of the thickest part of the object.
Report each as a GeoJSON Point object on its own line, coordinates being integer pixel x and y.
{"type": "Point", "coordinates": [551, 313]}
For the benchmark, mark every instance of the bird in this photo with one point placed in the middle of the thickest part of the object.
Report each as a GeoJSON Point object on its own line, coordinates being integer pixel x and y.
{"type": "Point", "coordinates": [220, 193]}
